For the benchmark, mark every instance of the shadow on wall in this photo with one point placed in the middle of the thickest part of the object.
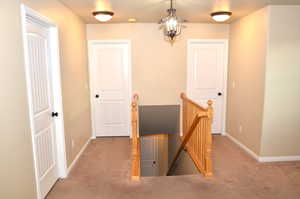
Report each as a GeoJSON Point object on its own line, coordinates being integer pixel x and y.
{"type": "Point", "coordinates": [159, 119]}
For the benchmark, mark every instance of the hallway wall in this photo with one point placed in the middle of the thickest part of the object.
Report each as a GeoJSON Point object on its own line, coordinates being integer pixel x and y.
{"type": "Point", "coordinates": [246, 77]}
{"type": "Point", "coordinates": [74, 67]}
{"type": "Point", "coordinates": [264, 66]}
{"type": "Point", "coordinates": [16, 163]}
{"type": "Point", "coordinates": [281, 128]}
{"type": "Point", "coordinates": [159, 69]}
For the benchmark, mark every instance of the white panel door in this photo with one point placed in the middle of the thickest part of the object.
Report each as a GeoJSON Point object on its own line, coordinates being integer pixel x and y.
{"type": "Point", "coordinates": [207, 62]}
{"type": "Point", "coordinates": [149, 156]}
{"type": "Point", "coordinates": [110, 84]}
{"type": "Point", "coordinates": [41, 105]}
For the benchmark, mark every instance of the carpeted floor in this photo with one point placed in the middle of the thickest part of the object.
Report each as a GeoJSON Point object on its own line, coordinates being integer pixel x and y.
{"type": "Point", "coordinates": [103, 173]}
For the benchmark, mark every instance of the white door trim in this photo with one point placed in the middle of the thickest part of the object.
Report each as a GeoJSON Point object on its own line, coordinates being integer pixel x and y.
{"type": "Point", "coordinates": [225, 76]}
{"type": "Point", "coordinates": [90, 44]}
{"type": "Point", "coordinates": [28, 13]}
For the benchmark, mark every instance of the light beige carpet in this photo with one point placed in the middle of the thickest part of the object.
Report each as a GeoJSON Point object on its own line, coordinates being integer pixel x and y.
{"type": "Point", "coordinates": [103, 173]}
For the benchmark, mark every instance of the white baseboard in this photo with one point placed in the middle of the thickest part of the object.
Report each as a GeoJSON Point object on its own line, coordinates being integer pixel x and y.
{"type": "Point", "coordinates": [263, 158]}
{"type": "Point", "coordinates": [249, 151]}
{"type": "Point", "coordinates": [278, 158]}
{"type": "Point", "coordinates": [78, 156]}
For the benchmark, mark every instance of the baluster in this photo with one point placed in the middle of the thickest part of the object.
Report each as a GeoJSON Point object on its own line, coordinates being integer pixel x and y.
{"type": "Point", "coordinates": [208, 144]}
{"type": "Point", "coordinates": [200, 141]}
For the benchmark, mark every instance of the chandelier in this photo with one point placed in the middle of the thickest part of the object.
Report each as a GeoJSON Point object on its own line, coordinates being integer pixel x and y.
{"type": "Point", "coordinates": [171, 24]}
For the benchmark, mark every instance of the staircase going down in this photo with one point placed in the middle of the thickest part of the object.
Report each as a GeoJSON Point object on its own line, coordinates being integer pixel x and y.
{"type": "Point", "coordinates": [195, 140]}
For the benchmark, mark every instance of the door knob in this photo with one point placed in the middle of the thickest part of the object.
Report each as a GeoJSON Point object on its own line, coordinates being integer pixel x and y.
{"type": "Point", "coordinates": [219, 94]}
{"type": "Point", "coordinates": [154, 162]}
{"type": "Point", "coordinates": [54, 114]}
{"type": "Point", "coordinates": [97, 96]}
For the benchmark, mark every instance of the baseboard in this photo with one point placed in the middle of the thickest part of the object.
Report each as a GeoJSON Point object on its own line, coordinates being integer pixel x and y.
{"type": "Point", "coordinates": [263, 158]}
{"type": "Point", "coordinates": [78, 156]}
{"type": "Point", "coordinates": [278, 158]}
{"type": "Point", "coordinates": [249, 151]}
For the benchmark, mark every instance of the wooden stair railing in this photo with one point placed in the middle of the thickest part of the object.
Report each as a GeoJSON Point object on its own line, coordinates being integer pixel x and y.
{"type": "Point", "coordinates": [196, 139]}
{"type": "Point", "coordinates": [135, 143]}
{"type": "Point", "coordinates": [185, 140]}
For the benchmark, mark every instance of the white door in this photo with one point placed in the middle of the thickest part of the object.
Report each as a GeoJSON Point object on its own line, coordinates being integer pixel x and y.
{"type": "Point", "coordinates": [206, 77]}
{"type": "Point", "coordinates": [110, 87]}
{"type": "Point", "coordinates": [149, 156]}
{"type": "Point", "coordinates": [41, 100]}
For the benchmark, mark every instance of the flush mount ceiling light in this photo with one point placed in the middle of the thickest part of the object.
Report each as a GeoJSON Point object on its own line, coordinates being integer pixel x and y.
{"type": "Point", "coordinates": [103, 16]}
{"type": "Point", "coordinates": [132, 20]}
{"type": "Point", "coordinates": [171, 24]}
{"type": "Point", "coordinates": [221, 16]}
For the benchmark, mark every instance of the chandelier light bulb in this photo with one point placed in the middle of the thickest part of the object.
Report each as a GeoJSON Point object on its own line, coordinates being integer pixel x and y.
{"type": "Point", "coordinates": [171, 24]}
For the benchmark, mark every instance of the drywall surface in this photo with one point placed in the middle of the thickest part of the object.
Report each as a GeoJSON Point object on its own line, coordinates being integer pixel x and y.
{"type": "Point", "coordinates": [281, 128]}
{"type": "Point", "coordinates": [17, 177]}
{"type": "Point", "coordinates": [246, 78]}
{"type": "Point", "coordinates": [158, 119]}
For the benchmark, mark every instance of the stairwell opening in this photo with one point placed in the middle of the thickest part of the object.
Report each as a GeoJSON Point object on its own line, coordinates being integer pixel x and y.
{"type": "Point", "coordinates": [159, 133]}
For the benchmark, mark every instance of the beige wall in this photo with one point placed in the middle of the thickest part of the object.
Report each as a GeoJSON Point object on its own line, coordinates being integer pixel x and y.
{"type": "Point", "coordinates": [159, 69]}
{"type": "Point", "coordinates": [73, 52]}
{"type": "Point", "coordinates": [281, 129]}
{"type": "Point", "coordinates": [265, 65]}
{"type": "Point", "coordinates": [16, 173]}
{"type": "Point", "coordinates": [247, 58]}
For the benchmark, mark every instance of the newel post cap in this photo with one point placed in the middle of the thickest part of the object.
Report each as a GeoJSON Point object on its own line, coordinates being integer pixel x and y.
{"type": "Point", "coordinates": [209, 102]}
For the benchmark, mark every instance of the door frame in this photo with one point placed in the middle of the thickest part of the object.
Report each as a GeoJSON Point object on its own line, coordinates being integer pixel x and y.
{"type": "Point", "coordinates": [90, 49]}
{"type": "Point", "coordinates": [55, 75]}
{"type": "Point", "coordinates": [225, 73]}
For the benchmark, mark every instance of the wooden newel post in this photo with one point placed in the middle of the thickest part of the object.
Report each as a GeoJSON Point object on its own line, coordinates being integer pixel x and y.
{"type": "Point", "coordinates": [182, 95]}
{"type": "Point", "coordinates": [136, 153]}
{"type": "Point", "coordinates": [209, 140]}
{"type": "Point", "coordinates": [134, 116]}
{"type": "Point", "coordinates": [134, 119]}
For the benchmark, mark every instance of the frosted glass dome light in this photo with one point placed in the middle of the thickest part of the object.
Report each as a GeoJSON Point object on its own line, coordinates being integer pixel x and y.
{"type": "Point", "coordinates": [221, 16]}
{"type": "Point", "coordinates": [103, 16]}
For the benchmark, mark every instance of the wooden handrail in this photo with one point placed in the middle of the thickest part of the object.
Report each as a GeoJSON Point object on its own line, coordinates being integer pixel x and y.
{"type": "Point", "coordinates": [184, 97]}
{"type": "Point", "coordinates": [136, 148]}
{"type": "Point", "coordinates": [197, 139]}
{"type": "Point", "coordinates": [185, 140]}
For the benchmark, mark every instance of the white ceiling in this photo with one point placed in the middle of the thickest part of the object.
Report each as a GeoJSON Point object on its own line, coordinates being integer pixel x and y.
{"type": "Point", "coordinates": [153, 10]}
